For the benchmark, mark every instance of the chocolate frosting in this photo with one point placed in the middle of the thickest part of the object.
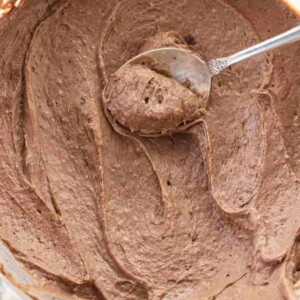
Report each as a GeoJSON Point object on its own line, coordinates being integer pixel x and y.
{"type": "Point", "coordinates": [94, 211]}
{"type": "Point", "coordinates": [148, 103]}
{"type": "Point", "coordinates": [143, 98]}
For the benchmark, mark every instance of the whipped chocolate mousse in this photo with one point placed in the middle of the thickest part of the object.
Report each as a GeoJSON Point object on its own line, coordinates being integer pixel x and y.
{"type": "Point", "coordinates": [93, 209]}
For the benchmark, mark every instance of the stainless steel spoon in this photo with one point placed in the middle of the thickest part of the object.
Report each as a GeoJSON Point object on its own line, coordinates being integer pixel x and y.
{"type": "Point", "coordinates": [185, 66]}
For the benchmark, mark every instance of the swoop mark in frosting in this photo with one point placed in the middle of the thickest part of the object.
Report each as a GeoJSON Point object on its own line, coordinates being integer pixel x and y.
{"type": "Point", "coordinates": [92, 211]}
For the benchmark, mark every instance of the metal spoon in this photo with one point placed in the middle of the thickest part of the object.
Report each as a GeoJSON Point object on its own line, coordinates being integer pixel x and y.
{"type": "Point", "coordinates": [185, 66]}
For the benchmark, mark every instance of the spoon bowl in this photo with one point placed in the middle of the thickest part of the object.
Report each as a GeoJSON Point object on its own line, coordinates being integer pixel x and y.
{"type": "Point", "coordinates": [182, 65]}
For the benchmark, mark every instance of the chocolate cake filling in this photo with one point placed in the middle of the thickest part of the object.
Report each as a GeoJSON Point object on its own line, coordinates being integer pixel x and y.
{"type": "Point", "coordinates": [93, 207]}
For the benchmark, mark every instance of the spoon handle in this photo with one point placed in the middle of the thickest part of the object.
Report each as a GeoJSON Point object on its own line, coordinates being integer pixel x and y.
{"type": "Point", "coordinates": [219, 64]}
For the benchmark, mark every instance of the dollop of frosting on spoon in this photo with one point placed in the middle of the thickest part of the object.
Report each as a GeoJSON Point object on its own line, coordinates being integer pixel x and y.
{"type": "Point", "coordinates": [144, 100]}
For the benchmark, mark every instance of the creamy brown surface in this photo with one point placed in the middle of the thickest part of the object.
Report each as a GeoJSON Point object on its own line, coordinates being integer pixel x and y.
{"type": "Point", "coordinates": [94, 213]}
